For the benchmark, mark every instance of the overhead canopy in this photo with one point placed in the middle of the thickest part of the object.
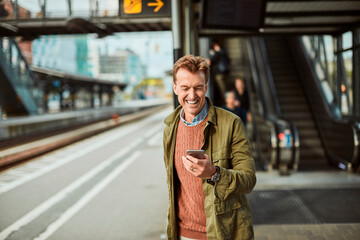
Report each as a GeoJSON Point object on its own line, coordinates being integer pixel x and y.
{"type": "Point", "coordinates": [103, 26]}
{"type": "Point", "coordinates": [237, 17]}
{"type": "Point", "coordinates": [45, 73]}
{"type": "Point", "coordinates": [280, 16]}
{"type": "Point", "coordinates": [20, 18]}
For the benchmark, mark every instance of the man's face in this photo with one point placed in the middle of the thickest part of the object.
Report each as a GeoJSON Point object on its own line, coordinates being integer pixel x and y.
{"type": "Point", "coordinates": [190, 89]}
{"type": "Point", "coordinates": [239, 84]}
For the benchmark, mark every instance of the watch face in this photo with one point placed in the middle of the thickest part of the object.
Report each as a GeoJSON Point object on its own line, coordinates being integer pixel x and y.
{"type": "Point", "coordinates": [215, 177]}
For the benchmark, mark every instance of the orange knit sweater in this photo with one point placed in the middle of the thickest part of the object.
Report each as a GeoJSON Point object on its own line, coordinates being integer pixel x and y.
{"type": "Point", "coordinates": [190, 195]}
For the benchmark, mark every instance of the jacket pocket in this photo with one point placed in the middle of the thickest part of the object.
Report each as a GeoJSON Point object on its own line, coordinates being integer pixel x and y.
{"type": "Point", "coordinates": [222, 157]}
{"type": "Point", "coordinates": [227, 205]}
{"type": "Point", "coordinates": [233, 220]}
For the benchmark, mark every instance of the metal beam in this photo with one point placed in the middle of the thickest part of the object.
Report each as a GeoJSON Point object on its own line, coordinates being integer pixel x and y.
{"type": "Point", "coordinates": [313, 14]}
{"type": "Point", "coordinates": [145, 27]}
{"type": "Point", "coordinates": [131, 27]}
{"type": "Point", "coordinates": [292, 1]}
{"type": "Point", "coordinates": [118, 28]}
{"type": "Point", "coordinates": [309, 25]}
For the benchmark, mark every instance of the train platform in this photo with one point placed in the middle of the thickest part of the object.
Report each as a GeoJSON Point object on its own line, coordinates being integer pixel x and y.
{"type": "Point", "coordinates": [33, 124]}
{"type": "Point", "coordinates": [308, 232]}
{"type": "Point", "coordinates": [306, 205]}
{"type": "Point", "coordinates": [47, 132]}
{"type": "Point", "coordinates": [113, 186]}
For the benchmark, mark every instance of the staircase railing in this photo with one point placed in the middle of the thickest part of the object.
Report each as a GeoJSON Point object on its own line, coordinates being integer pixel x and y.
{"type": "Point", "coordinates": [340, 136]}
{"type": "Point", "coordinates": [17, 70]}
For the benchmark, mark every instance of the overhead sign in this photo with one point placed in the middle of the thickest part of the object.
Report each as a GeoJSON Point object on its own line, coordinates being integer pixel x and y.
{"type": "Point", "coordinates": [145, 8]}
{"type": "Point", "coordinates": [233, 14]}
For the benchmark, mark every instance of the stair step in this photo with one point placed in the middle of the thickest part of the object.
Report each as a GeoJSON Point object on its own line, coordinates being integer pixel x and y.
{"type": "Point", "coordinates": [288, 86]}
{"type": "Point", "coordinates": [310, 143]}
{"type": "Point", "coordinates": [295, 108]}
{"type": "Point", "coordinates": [300, 123]}
{"type": "Point", "coordinates": [287, 99]}
{"type": "Point", "coordinates": [298, 115]}
{"type": "Point", "coordinates": [281, 76]}
{"type": "Point", "coordinates": [294, 94]}
{"type": "Point", "coordinates": [312, 153]}
{"type": "Point", "coordinates": [308, 133]}
{"type": "Point", "coordinates": [284, 81]}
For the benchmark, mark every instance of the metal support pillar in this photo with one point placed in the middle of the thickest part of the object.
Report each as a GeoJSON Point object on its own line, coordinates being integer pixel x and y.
{"type": "Point", "coordinates": [204, 46]}
{"type": "Point", "coordinates": [101, 104]}
{"type": "Point", "coordinates": [73, 97]}
{"type": "Point", "coordinates": [356, 75]}
{"type": "Point", "coordinates": [46, 97]}
{"type": "Point", "coordinates": [111, 94]}
{"type": "Point", "coordinates": [189, 36]}
{"type": "Point", "coordinates": [61, 100]}
{"type": "Point", "coordinates": [42, 4]}
{"type": "Point", "coordinates": [339, 72]}
{"type": "Point", "coordinates": [176, 27]}
{"type": "Point", "coordinates": [69, 7]}
{"type": "Point", "coordinates": [15, 6]}
{"type": "Point", "coordinates": [92, 96]}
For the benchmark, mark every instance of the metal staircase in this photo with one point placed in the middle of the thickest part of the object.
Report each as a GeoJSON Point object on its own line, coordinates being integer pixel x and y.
{"type": "Point", "coordinates": [20, 91]}
{"type": "Point", "coordinates": [294, 105]}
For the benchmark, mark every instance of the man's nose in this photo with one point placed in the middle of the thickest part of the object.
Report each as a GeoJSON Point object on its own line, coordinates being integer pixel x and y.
{"type": "Point", "coordinates": [192, 93]}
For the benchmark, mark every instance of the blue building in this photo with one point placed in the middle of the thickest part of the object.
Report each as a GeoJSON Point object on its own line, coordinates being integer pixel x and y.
{"type": "Point", "coordinates": [48, 52]}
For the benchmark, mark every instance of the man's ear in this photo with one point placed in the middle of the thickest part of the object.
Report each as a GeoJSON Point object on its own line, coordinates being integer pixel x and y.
{"type": "Point", "coordinates": [175, 88]}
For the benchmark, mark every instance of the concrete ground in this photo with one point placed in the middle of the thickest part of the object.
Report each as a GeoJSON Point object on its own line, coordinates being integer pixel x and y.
{"type": "Point", "coordinates": [308, 180]}
{"type": "Point", "coordinates": [308, 232]}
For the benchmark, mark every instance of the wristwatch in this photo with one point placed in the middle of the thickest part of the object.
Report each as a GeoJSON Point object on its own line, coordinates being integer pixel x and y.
{"type": "Point", "coordinates": [215, 177]}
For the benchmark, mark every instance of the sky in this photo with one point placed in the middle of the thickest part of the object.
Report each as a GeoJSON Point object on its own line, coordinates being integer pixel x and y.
{"type": "Point", "coordinates": [154, 48]}
{"type": "Point", "coordinates": [59, 8]}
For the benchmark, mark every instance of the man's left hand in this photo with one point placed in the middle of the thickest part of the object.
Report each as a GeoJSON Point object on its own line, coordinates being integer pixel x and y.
{"type": "Point", "coordinates": [202, 168]}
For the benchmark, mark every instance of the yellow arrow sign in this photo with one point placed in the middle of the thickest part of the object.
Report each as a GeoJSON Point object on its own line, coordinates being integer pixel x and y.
{"type": "Point", "coordinates": [158, 4]}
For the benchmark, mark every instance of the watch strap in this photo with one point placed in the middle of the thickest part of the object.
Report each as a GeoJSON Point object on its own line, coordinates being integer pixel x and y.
{"type": "Point", "coordinates": [210, 181]}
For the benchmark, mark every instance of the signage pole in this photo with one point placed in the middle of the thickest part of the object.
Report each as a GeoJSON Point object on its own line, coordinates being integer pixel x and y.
{"type": "Point", "coordinates": [176, 32]}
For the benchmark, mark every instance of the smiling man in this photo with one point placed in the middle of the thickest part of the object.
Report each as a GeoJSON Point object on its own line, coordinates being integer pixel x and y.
{"type": "Point", "coordinates": [206, 195]}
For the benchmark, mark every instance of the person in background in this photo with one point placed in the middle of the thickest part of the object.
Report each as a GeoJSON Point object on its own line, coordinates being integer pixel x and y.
{"type": "Point", "coordinates": [242, 99]}
{"type": "Point", "coordinates": [220, 68]}
{"type": "Point", "coordinates": [231, 106]}
{"type": "Point", "coordinates": [207, 197]}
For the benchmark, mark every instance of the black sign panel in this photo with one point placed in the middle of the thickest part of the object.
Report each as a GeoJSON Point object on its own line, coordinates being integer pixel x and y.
{"type": "Point", "coordinates": [145, 8]}
{"type": "Point", "coordinates": [232, 14]}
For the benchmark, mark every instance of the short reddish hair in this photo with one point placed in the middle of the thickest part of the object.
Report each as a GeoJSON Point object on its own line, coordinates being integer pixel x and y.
{"type": "Point", "coordinates": [193, 64]}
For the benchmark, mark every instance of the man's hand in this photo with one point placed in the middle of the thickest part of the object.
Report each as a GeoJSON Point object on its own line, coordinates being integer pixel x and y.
{"type": "Point", "coordinates": [202, 168]}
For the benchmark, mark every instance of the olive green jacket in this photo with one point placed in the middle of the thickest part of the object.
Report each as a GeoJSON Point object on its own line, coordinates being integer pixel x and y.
{"type": "Point", "coordinates": [228, 214]}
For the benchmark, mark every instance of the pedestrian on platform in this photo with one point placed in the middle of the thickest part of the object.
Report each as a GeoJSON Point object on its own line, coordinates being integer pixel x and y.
{"type": "Point", "coordinates": [220, 68]}
{"type": "Point", "coordinates": [231, 106]}
{"type": "Point", "coordinates": [207, 196]}
{"type": "Point", "coordinates": [242, 99]}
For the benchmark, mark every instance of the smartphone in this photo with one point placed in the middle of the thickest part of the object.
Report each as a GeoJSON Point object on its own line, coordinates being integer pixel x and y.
{"type": "Point", "coordinates": [199, 154]}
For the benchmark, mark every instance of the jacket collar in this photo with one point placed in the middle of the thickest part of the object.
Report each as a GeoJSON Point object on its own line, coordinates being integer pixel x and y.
{"type": "Point", "coordinates": [171, 119]}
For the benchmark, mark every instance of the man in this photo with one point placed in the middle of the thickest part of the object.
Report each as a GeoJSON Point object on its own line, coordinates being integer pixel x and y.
{"type": "Point", "coordinates": [220, 68]}
{"type": "Point", "coordinates": [206, 196]}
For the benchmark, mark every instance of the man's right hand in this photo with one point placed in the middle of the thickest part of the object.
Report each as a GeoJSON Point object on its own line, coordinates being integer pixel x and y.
{"type": "Point", "coordinates": [202, 168]}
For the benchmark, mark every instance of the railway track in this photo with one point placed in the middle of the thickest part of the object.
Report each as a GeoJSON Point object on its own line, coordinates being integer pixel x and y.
{"type": "Point", "coordinates": [18, 150]}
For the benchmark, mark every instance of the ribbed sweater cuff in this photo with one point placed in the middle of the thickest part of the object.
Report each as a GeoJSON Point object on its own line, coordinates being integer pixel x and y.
{"type": "Point", "coordinates": [192, 234]}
